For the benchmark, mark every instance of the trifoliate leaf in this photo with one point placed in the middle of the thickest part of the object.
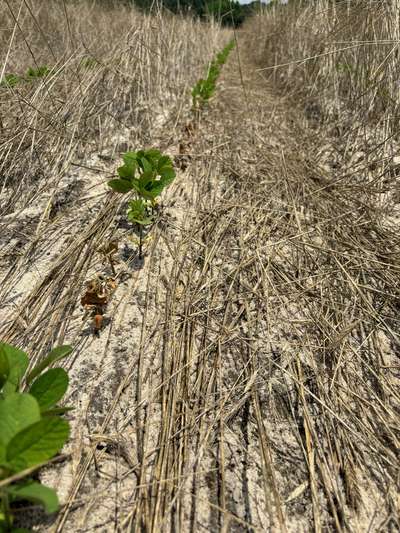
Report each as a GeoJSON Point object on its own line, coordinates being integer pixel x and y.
{"type": "Point", "coordinates": [50, 387]}
{"type": "Point", "coordinates": [17, 411]}
{"type": "Point", "coordinates": [35, 492]}
{"type": "Point", "coordinates": [37, 443]}
{"type": "Point", "coordinates": [18, 362]}
{"type": "Point", "coordinates": [121, 186]}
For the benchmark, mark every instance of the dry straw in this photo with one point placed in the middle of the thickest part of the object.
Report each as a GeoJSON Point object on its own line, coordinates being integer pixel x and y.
{"type": "Point", "coordinates": [249, 378]}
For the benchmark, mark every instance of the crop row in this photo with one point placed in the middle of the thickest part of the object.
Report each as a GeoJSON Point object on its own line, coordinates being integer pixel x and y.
{"type": "Point", "coordinates": [32, 430]}
{"type": "Point", "coordinates": [32, 74]}
{"type": "Point", "coordinates": [204, 89]}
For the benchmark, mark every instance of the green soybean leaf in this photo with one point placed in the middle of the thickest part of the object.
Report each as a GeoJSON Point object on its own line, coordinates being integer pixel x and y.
{"type": "Point", "coordinates": [138, 207]}
{"type": "Point", "coordinates": [137, 213]}
{"type": "Point", "coordinates": [10, 80]}
{"type": "Point", "coordinates": [150, 193]}
{"type": "Point", "coordinates": [124, 172]}
{"type": "Point", "coordinates": [37, 493]}
{"type": "Point", "coordinates": [164, 161]}
{"type": "Point", "coordinates": [146, 177]}
{"type": "Point", "coordinates": [122, 186]}
{"type": "Point", "coordinates": [40, 72]}
{"type": "Point", "coordinates": [18, 362]}
{"type": "Point", "coordinates": [142, 222]}
{"type": "Point", "coordinates": [153, 153]}
{"type": "Point", "coordinates": [157, 188]}
{"type": "Point", "coordinates": [2, 460]}
{"type": "Point", "coordinates": [4, 368]}
{"type": "Point", "coordinates": [167, 174]}
{"type": "Point", "coordinates": [136, 185]}
{"type": "Point", "coordinates": [56, 354]}
{"type": "Point", "coordinates": [130, 158]}
{"type": "Point", "coordinates": [145, 184]}
{"type": "Point", "coordinates": [37, 443]}
{"type": "Point", "coordinates": [146, 165]}
{"type": "Point", "coordinates": [145, 221]}
{"type": "Point", "coordinates": [17, 412]}
{"type": "Point", "coordinates": [50, 387]}
{"type": "Point", "coordinates": [127, 171]}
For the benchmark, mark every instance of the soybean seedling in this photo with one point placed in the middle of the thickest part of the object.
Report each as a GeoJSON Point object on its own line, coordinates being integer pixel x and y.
{"type": "Point", "coordinates": [40, 72]}
{"type": "Point", "coordinates": [10, 80]}
{"type": "Point", "coordinates": [146, 173]}
{"type": "Point", "coordinates": [31, 430]}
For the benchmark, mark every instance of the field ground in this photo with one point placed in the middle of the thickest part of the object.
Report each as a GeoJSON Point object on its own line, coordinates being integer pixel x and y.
{"type": "Point", "coordinates": [246, 377]}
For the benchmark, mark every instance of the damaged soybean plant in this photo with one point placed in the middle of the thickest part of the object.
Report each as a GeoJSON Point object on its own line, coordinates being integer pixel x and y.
{"type": "Point", "coordinates": [145, 173]}
{"type": "Point", "coordinates": [31, 429]}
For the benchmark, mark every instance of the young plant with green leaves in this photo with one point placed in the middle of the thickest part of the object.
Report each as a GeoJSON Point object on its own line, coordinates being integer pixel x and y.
{"type": "Point", "coordinates": [31, 430]}
{"type": "Point", "coordinates": [35, 73]}
{"type": "Point", "coordinates": [10, 80]}
{"type": "Point", "coordinates": [145, 173]}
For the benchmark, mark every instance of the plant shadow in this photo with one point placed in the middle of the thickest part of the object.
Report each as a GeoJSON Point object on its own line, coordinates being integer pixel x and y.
{"type": "Point", "coordinates": [130, 255]}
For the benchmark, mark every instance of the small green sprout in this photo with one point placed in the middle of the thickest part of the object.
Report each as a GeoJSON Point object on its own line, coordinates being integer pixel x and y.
{"type": "Point", "coordinates": [31, 430]}
{"type": "Point", "coordinates": [10, 80]}
{"type": "Point", "coordinates": [139, 212]}
{"type": "Point", "coordinates": [40, 72]}
{"type": "Point", "coordinates": [146, 173]}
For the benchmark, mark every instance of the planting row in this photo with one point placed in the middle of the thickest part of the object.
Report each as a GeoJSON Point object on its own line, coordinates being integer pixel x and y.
{"type": "Point", "coordinates": [32, 430]}
{"type": "Point", "coordinates": [32, 74]}
{"type": "Point", "coordinates": [205, 88]}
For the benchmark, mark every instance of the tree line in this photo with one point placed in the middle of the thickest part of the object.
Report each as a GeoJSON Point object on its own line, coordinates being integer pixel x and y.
{"type": "Point", "coordinates": [228, 12]}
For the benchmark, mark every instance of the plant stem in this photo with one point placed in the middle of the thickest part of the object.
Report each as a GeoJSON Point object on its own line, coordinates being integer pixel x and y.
{"type": "Point", "coordinates": [5, 506]}
{"type": "Point", "coordinates": [111, 265]}
{"type": "Point", "coordinates": [140, 241]}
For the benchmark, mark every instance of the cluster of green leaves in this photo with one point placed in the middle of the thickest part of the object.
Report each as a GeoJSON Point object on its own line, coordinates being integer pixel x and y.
{"type": "Point", "coordinates": [146, 173]}
{"type": "Point", "coordinates": [35, 73]}
{"type": "Point", "coordinates": [223, 55]}
{"type": "Point", "coordinates": [10, 80]}
{"type": "Point", "coordinates": [31, 429]}
{"type": "Point", "coordinates": [32, 74]}
{"type": "Point", "coordinates": [205, 88]}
